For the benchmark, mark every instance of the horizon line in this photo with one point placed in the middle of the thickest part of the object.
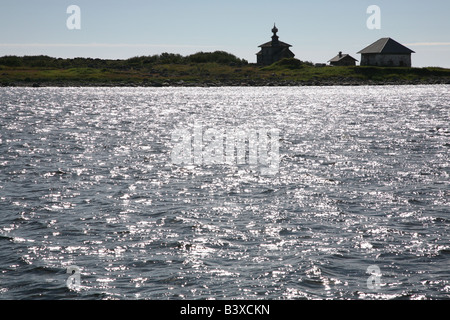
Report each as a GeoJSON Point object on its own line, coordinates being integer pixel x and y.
{"type": "Point", "coordinates": [424, 44]}
{"type": "Point", "coordinates": [104, 45]}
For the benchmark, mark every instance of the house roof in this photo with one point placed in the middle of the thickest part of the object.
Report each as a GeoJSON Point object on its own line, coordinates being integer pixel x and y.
{"type": "Point", "coordinates": [386, 45]}
{"type": "Point", "coordinates": [280, 44]}
{"type": "Point", "coordinates": [339, 58]}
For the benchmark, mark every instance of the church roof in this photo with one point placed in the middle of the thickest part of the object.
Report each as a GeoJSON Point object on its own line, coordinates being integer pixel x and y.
{"type": "Point", "coordinates": [279, 44]}
{"type": "Point", "coordinates": [284, 50]}
{"type": "Point", "coordinates": [386, 45]}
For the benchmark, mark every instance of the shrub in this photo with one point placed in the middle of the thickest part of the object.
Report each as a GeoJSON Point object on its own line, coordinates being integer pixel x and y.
{"type": "Point", "coordinates": [11, 61]}
{"type": "Point", "coordinates": [220, 57]}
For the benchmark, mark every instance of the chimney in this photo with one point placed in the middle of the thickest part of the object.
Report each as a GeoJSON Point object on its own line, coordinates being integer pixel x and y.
{"type": "Point", "coordinates": [340, 54]}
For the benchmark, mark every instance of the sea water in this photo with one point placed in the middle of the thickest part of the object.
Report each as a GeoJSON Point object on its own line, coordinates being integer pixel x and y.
{"type": "Point", "coordinates": [92, 205]}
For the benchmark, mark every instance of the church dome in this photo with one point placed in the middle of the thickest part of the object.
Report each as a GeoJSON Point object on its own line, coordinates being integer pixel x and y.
{"type": "Point", "coordinates": [275, 29]}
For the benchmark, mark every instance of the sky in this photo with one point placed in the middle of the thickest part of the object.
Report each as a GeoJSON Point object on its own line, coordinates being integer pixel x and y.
{"type": "Point", "coordinates": [317, 30]}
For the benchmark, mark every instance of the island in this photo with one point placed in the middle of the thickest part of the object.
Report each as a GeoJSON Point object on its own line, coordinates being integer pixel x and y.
{"type": "Point", "coordinates": [202, 69]}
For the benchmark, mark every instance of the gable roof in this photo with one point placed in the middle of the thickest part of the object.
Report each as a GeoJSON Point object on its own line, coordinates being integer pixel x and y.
{"type": "Point", "coordinates": [386, 45]}
{"type": "Point", "coordinates": [339, 58]}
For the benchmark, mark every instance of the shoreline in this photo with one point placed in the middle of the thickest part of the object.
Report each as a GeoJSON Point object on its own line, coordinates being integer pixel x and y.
{"type": "Point", "coordinates": [218, 69]}
{"type": "Point", "coordinates": [207, 84]}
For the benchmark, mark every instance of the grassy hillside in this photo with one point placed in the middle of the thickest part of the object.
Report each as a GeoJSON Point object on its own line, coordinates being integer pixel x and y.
{"type": "Point", "coordinates": [201, 69]}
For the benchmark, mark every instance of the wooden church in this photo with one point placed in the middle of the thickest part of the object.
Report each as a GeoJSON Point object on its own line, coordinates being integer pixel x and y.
{"type": "Point", "coordinates": [274, 50]}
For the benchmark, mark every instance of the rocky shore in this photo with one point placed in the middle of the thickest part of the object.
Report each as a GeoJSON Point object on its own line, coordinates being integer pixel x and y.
{"type": "Point", "coordinates": [226, 83]}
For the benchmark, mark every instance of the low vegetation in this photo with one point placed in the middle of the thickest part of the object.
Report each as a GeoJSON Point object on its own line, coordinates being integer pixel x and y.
{"type": "Point", "coordinates": [210, 69]}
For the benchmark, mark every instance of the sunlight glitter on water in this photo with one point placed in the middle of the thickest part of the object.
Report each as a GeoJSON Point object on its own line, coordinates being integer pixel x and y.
{"type": "Point", "coordinates": [362, 180]}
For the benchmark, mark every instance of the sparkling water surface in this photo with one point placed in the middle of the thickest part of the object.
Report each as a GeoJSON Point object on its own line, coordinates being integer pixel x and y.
{"type": "Point", "coordinates": [86, 179]}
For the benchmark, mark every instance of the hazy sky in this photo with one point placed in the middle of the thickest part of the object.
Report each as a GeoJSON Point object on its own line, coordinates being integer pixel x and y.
{"type": "Point", "coordinates": [317, 30]}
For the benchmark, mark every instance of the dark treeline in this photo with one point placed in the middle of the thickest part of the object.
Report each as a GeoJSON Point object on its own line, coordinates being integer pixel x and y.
{"type": "Point", "coordinates": [140, 62]}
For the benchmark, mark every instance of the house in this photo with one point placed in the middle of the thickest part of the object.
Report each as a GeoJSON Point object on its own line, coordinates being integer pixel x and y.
{"type": "Point", "coordinates": [274, 50]}
{"type": "Point", "coordinates": [343, 60]}
{"type": "Point", "coordinates": [386, 52]}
